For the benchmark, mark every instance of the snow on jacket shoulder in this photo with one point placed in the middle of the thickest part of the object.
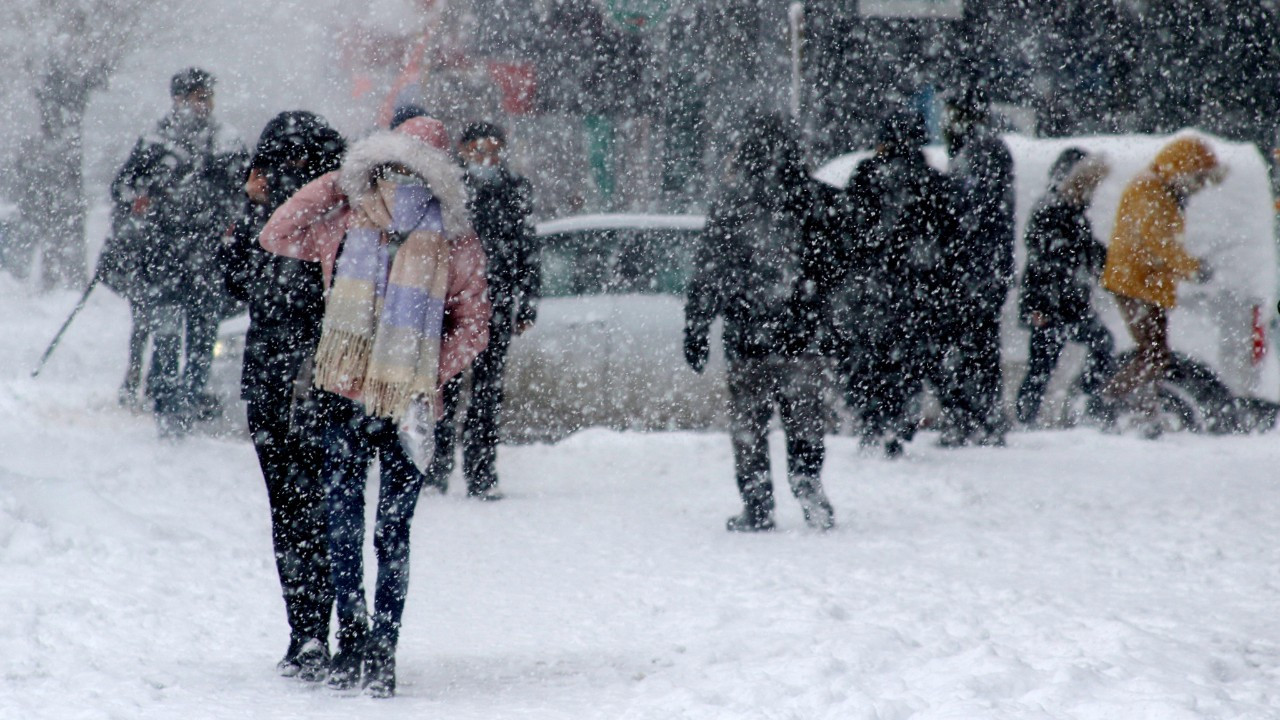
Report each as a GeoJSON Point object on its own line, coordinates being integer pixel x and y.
{"type": "Point", "coordinates": [311, 225]}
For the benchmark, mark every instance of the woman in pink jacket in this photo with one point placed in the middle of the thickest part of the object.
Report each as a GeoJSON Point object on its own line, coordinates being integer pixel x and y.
{"type": "Point", "coordinates": [406, 309]}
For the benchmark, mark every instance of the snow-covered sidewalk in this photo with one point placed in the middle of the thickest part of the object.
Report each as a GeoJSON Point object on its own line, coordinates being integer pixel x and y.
{"type": "Point", "coordinates": [1071, 575]}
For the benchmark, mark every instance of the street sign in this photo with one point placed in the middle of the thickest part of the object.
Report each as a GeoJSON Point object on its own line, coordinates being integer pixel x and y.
{"type": "Point", "coordinates": [638, 15]}
{"type": "Point", "coordinates": [927, 9]}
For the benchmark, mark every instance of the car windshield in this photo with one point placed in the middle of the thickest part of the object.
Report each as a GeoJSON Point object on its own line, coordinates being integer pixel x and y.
{"type": "Point", "coordinates": [616, 261]}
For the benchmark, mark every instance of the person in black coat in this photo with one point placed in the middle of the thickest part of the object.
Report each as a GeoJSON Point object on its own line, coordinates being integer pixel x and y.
{"type": "Point", "coordinates": [753, 268]}
{"type": "Point", "coordinates": [981, 272]}
{"type": "Point", "coordinates": [500, 202]}
{"type": "Point", "coordinates": [899, 219]}
{"type": "Point", "coordinates": [1063, 261]}
{"type": "Point", "coordinates": [286, 306]}
{"type": "Point", "coordinates": [184, 182]}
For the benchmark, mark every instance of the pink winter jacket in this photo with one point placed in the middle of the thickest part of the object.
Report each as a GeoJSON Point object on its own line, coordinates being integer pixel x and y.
{"type": "Point", "coordinates": [311, 225]}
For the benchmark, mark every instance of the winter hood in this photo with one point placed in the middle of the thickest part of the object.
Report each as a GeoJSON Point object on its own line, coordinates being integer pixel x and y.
{"type": "Point", "coordinates": [418, 145]}
{"type": "Point", "coordinates": [1183, 157]}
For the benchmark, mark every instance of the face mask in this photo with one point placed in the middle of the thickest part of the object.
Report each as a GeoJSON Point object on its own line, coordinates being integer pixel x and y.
{"type": "Point", "coordinates": [484, 173]}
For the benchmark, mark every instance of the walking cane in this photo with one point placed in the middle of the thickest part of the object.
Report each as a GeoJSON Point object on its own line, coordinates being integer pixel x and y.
{"type": "Point", "coordinates": [84, 297]}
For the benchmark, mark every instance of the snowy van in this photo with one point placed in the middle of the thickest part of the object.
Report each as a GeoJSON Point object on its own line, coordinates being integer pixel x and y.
{"type": "Point", "coordinates": [1222, 324]}
{"type": "Point", "coordinates": [606, 349]}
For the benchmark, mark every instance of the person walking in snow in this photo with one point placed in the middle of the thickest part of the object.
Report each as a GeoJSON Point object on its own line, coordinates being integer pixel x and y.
{"type": "Point", "coordinates": [981, 271]}
{"type": "Point", "coordinates": [751, 269]}
{"type": "Point", "coordinates": [1146, 260]}
{"type": "Point", "coordinates": [500, 203]}
{"type": "Point", "coordinates": [406, 310]}
{"type": "Point", "coordinates": [1063, 260]}
{"type": "Point", "coordinates": [899, 218]}
{"type": "Point", "coordinates": [185, 181]}
{"type": "Point", "coordinates": [286, 303]}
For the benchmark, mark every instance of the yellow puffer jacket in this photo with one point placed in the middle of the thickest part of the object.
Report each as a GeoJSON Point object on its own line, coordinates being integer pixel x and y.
{"type": "Point", "coordinates": [1146, 258]}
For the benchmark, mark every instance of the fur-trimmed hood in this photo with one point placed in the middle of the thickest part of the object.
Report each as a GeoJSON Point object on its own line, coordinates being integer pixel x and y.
{"type": "Point", "coordinates": [443, 176]}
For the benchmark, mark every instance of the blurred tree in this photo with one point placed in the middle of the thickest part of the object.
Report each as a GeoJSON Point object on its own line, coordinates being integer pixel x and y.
{"type": "Point", "coordinates": [63, 51]}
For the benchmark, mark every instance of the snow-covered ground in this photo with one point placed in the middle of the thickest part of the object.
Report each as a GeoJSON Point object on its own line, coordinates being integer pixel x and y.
{"type": "Point", "coordinates": [1071, 575]}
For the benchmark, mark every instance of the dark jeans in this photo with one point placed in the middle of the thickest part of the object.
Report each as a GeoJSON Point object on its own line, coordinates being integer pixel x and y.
{"type": "Point", "coordinates": [1046, 348]}
{"type": "Point", "coordinates": [172, 385]}
{"type": "Point", "coordinates": [352, 440]}
{"type": "Point", "coordinates": [794, 385]}
{"type": "Point", "coordinates": [291, 461]}
{"type": "Point", "coordinates": [484, 412]}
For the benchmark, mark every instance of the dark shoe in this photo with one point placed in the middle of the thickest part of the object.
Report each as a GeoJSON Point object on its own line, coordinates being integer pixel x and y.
{"type": "Point", "coordinates": [288, 665]}
{"type": "Point", "coordinates": [437, 481]}
{"type": "Point", "coordinates": [953, 437]}
{"type": "Point", "coordinates": [380, 676]}
{"type": "Point", "coordinates": [750, 521]}
{"type": "Point", "coordinates": [203, 406]}
{"type": "Point", "coordinates": [489, 494]}
{"type": "Point", "coordinates": [313, 661]}
{"type": "Point", "coordinates": [344, 669]}
{"type": "Point", "coordinates": [818, 513]}
{"type": "Point", "coordinates": [893, 449]}
{"type": "Point", "coordinates": [173, 425]}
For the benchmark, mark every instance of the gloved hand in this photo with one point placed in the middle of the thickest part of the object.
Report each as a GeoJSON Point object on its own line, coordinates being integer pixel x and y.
{"type": "Point", "coordinates": [1204, 274]}
{"type": "Point", "coordinates": [696, 349]}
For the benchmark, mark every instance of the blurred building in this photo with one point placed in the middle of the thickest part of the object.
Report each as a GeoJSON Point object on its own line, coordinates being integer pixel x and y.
{"type": "Point", "coordinates": [633, 104]}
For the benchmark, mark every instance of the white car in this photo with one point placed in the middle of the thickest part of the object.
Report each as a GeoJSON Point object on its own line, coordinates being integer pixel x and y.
{"type": "Point", "coordinates": [607, 346]}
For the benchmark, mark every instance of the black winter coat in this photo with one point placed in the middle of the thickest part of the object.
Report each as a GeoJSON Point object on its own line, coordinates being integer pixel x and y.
{"type": "Point", "coordinates": [1063, 260]}
{"type": "Point", "coordinates": [500, 210]}
{"type": "Point", "coordinates": [900, 233]}
{"type": "Point", "coordinates": [982, 259]}
{"type": "Point", "coordinates": [759, 266]}
{"type": "Point", "coordinates": [193, 173]}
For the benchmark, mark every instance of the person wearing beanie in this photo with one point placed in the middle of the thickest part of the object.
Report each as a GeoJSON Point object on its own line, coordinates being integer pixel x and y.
{"type": "Point", "coordinates": [182, 185]}
{"type": "Point", "coordinates": [1146, 260]}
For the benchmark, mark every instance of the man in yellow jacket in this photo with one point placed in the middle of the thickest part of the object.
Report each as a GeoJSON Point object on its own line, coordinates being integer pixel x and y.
{"type": "Point", "coordinates": [1146, 260]}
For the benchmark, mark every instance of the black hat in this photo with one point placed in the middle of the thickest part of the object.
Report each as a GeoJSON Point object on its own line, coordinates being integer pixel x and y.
{"type": "Point", "coordinates": [407, 112]}
{"type": "Point", "coordinates": [480, 130]}
{"type": "Point", "coordinates": [190, 80]}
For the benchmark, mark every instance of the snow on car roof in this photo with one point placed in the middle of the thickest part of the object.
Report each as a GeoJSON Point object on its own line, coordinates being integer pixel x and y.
{"type": "Point", "coordinates": [620, 221]}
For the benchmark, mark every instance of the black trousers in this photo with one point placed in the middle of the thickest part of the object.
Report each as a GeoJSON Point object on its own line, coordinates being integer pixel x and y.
{"type": "Point", "coordinates": [756, 386]}
{"type": "Point", "coordinates": [480, 428]}
{"type": "Point", "coordinates": [1046, 348]}
{"type": "Point", "coordinates": [291, 461]}
{"type": "Point", "coordinates": [974, 400]}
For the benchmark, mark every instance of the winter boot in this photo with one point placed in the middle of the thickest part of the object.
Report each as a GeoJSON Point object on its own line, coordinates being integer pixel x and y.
{"type": "Point", "coordinates": [312, 661]}
{"type": "Point", "coordinates": [344, 667]}
{"type": "Point", "coordinates": [893, 448]}
{"type": "Point", "coordinates": [818, 513]}
{"type": "Point", "coordinates": [380, 672]}
{"type": "Point", "coordinates": [752, 519]}
{"type": "Point", "coordinates": [288, 665]}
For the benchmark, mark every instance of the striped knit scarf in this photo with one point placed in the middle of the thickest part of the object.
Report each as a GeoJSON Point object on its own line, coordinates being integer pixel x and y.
{"type": "Point", "coordinates": [380, 339]}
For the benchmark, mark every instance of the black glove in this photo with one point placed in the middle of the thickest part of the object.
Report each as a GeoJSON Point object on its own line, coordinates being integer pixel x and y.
{"type": "Point", "coordinates": [696, 349]}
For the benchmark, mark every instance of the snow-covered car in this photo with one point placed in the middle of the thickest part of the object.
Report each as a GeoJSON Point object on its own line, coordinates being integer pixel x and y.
{"type": "Point", "coordinates": [1219, 327]}
{"type": "Point", "coordinates": [606, 349]}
